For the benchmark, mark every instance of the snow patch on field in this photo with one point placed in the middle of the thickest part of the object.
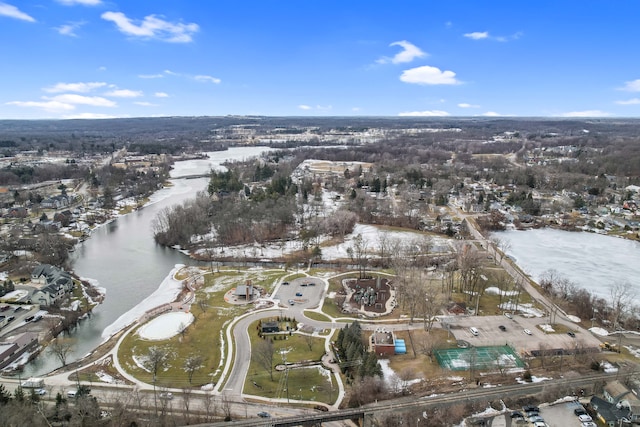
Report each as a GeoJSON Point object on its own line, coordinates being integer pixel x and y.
{"type": "Point", "coordinates": [165, 326]}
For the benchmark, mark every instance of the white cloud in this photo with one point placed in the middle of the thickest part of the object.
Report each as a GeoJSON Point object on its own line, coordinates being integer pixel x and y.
{"type": "Point", "coordinates": [51, 106]}
{"type": "Point", "coordinates": [484, 35]}
{"type": "Point", "coordinates": [171, 73]}
{"type": "Point", "coordinates": [586, 113]}
{"type": "Point", "coordinates": [102, 68]}
{"type": "Point", "coordinates": [69, 29]}
{"type": "Point", "coordinates": [428, 113]}
{"type": "Point", "coordinates": [153, 27]}
{"type": "Point", "coordinates": [150, 76]}
{"type": "Point", "coordinates": [74, 87]}
{"type": "Point", "coordinates": [324, 107]}
{"type": "Point", "coordinates": [81, 2]}
{"type": "Point", "coordinates": [491, 114]}
{"type": "Point", "coordinates": [409, 53]}
{"type": "Point", "coordinates": [477, 35]}
{"type": "Point", "coordinates": [356, 109]}
{"type": "Point", "coordinates": [145, 104]}
{"type": "Point", "coordinates": [427, 75]}
{"type": "Point", "coordinates": [632, 101]}
{"type": "Point", "coordinates": [91, 116]}
{"type": "Point", "coordinates": [124, 93]}
{"type": "Point", "coordinates": [632, 86]}
{"type": "Point", "coordinates": [203, 78]}
{"type": "Point", "coordinates": [161, 95]}
{"type": "Point", "coordinates": [304, 107]}
{"type": "Point", "coordinates": [465, 105]}
{"type": "Point", "coordinates": [72, 98]}
{"type": "Point", "coordinates": [13, 12]}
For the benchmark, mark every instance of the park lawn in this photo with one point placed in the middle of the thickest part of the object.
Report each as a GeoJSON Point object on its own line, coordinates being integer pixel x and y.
{"type": "Point", "coordinates": [304, 383]}
{"type": "Point", "coordinates": [419, 365]}
{"type": "Point", "coordinates": [314, 315]}
{"type": "Point", "coordinates": [203, 337]}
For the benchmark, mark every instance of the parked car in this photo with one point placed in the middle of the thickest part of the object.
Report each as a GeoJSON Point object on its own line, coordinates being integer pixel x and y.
{"type": "Point", "coordinates": [292, 302]}
{"type": "Point", "coordinates": [264, 414]}
{"type": "Point", "coordinates": [303, 284]}
{"type": "Point", "coordinates": [502, 328]}
{"type": "Point", "coordinates": [580, 411]}
{"type": "Point", "coordinates": [167, 395]}
{"type": "Point", "coordinates": [40, 391]}
{"type": "Point", "coordinates": [530, 408]}
{"type": "Point", "coordinates": [298, 294]}
{"type": "Point", "coordinates": [508, 316]}
{"type": "Point", "coordinates": [285, 283]}
{"type": "Point", "coordinates": [517, 414]}
{"type": "Point", "coordinates": [526, 331]}
{"type": "Point", "coordinates": [584, 418]}
{"type": "Point", "coordinates": [571, 334]}
{"type": "Point", "coordinates": [589, 424]}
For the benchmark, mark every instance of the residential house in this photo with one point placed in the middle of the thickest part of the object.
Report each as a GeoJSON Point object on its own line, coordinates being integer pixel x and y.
{"type": "Point", "coordinates": [55, 202]}
{"type": "Point", "coordinates": [58, 282]}
{"type": "Point", "coordinates": [618, 405]}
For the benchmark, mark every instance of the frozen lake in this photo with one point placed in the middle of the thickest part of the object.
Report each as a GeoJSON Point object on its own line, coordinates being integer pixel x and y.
{"type": "Point", "coordinates": [590, 260]}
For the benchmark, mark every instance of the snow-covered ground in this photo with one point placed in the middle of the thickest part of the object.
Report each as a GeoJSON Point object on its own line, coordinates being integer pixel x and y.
{"type": "Point", "coordinates": [165, 326]}
{"type": "Point", "coordinates": [166, 292]}
{"type": "Point", "coordinates": [371, 235]}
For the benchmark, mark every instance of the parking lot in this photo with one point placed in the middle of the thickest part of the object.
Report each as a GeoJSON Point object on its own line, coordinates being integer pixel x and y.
{"type": "Point", "coordinates": [489, 333]}
{"type": "Point", "coordinates": [305, 292]}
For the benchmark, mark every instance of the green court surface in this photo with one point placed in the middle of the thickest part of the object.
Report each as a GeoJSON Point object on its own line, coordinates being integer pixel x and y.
{"type": "Point", "coordinates": [482, 358]}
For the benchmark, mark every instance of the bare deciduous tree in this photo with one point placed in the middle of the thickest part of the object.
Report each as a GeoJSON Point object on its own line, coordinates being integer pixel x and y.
{"type": "Point", "coordinates": [622, 294]}
{"type": "Point", "coordinates": [263, 354]}
{"type": "Point", "coordinates": [192, 363]}
{"type": "Point", "coordinates": [155, 360]}
{"type": "Point", "coordinates": [358, 254]}
{"type": "Point", "coordinates": [61, 347]}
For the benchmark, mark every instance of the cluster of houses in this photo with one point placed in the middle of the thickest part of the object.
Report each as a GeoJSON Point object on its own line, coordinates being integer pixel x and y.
{"type": "Point", "coordinates": [619, 404]}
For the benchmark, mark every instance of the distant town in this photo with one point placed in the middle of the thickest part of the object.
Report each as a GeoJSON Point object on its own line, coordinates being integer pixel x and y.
{"type": "Point", "coordinates": [362, 258]}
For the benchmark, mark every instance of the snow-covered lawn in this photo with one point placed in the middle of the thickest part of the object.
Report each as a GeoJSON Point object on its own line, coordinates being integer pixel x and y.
{"type": "Point", "coordinates": [166, 326]}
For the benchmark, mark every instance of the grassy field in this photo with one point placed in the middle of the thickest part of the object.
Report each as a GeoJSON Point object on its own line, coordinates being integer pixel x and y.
{"type": "Point", "coordinates": [203, 337]}
{"type": "Point", "coordinates": [304, 382]}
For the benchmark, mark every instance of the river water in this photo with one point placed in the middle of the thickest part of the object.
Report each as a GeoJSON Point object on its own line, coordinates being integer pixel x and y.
{"type": "Point", "coordinates": [123, 258]}
{"type": "Point", "coordinates": [592, 261]}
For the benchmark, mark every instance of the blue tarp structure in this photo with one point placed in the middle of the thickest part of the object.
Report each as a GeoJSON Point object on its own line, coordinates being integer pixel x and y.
{"type": "Point", "coordinates": [400, 346]}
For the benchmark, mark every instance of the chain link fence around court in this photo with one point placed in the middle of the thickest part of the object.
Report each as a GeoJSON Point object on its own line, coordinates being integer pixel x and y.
{"type": "Point", "coordinates": [478, 358]}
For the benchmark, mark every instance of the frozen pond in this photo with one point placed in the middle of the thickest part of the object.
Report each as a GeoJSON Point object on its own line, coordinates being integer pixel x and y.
{"type": "Point", "coordinates": [592, 261]}
{"type": "Point", "coordinates": [165, 326]}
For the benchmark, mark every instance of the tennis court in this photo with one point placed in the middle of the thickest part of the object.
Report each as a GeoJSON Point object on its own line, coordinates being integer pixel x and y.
{"type": "Point", "coordinates": [483, 358]}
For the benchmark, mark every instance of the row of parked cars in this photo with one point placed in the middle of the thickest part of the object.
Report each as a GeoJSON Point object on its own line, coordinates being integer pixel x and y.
{"type": "Point", "coordinates": [532, 414]}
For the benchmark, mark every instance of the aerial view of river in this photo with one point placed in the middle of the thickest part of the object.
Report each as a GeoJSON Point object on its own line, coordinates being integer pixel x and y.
{"type": "Point", "coordinates": [592, 261]}
{"type": "Point", "coordinates": [123, 258]}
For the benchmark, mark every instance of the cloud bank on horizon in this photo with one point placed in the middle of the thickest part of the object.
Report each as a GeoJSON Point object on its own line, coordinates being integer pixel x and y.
{"type": "Point", "coordinates": [99, 59]}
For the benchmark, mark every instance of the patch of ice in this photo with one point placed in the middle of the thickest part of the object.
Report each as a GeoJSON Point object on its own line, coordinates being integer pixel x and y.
{"type": "Point", "coordinates": [547, 328]}
{"type": "Point", "coordinates": [574, 319]}
{"type": "Point", "coordinates": [534, 379]}
{"type": "Point", "coordinates": [599, 331]}
{"type": "Point", "coordinates": [493, 290]}
{"type": "Point", "coordinates": [165, 326]}
{"type": "Point", "coordinates": [104, 377]}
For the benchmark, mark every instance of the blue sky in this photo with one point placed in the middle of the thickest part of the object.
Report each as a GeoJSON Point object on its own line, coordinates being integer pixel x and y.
{"type": "Point", "coordinates": [141, 58]}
